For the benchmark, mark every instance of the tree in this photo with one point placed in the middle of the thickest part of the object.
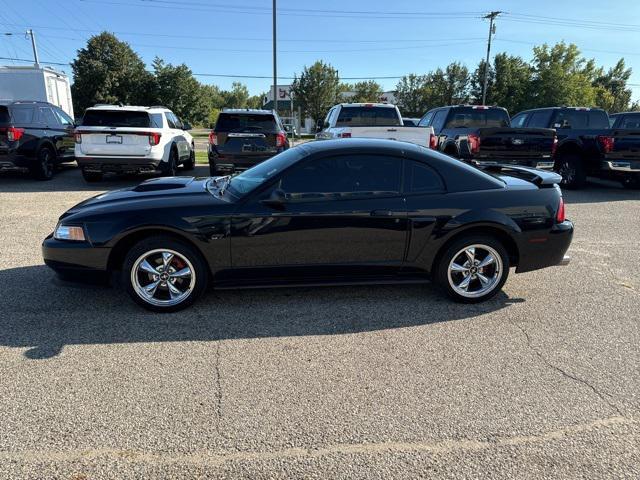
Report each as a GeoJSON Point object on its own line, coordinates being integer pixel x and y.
{"type": "Point", "coordinates": [612, 92]}
{"type": "Point", "coordinates": [316, 90]}
{"type": "Point", "coordinates": [411, 95]}
{"type": "Point", "coordinates": [367, 91]}
{"type": "Point", "coordinates": [562, 77]}
{"type": "Point", "coordinates": [508, 85]}
{"type": "Point", "coordinates": [237, 97]}
{"type": "Point", "coordinates": [177, 89]}
{"type": "Point", "coordinates": [109, 71]}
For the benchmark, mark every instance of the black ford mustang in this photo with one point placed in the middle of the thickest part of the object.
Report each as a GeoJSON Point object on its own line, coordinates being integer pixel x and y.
{"type": "Point", "coordinates": [332, 212]}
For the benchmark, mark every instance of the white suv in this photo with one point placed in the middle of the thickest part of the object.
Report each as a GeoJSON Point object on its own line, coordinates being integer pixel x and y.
{"type": "Point", "coordinates": [132, 140]}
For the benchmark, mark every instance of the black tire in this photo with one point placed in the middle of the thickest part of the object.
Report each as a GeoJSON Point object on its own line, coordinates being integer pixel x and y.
{"type": "Point", "coordinates": [44, 165]}
{"type": "Point", "coordinates": [497, 272]}
{"type": "Point", "coordinates": [191, 163]}
{"type": "Point", "coordinates": [189, 256]}
{"type": "Point", "coordinates": [213, 170]}
{"type": "Point", "coordinates": [91, 177]}
{"type": "Point", "coordinates": [170, 168]}
{"type": "Point", "coordinates": [571, 168]}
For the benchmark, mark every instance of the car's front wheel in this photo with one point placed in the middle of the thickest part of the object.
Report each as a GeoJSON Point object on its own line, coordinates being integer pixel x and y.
{"type": "Point", "coordinates": [473, 269]}
{"type": "Point", "coordinates": [164, 275]}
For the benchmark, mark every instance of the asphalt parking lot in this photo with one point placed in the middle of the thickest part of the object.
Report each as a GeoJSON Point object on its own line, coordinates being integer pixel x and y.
{"type": "Point", "coordinates": [368, 382]}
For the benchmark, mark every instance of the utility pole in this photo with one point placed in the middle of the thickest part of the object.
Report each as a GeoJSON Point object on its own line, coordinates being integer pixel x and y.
{"type": "Point", "coordinates": [33, 45]}
{"type": "Point", "coordinates": [492, 30]}
{"type": "Point", "coordinates": [275, 63]}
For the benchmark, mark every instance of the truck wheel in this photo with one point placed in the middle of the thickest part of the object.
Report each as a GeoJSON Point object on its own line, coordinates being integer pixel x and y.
{"type": "Point", "coordinates": [472, 269]}
{"type": "Point", "coordinates": [571, 169]}
{"type": "Point", "coordinates": [169, 168]}
{"type": "Point", "coordinates": [191, 163]}
{"type": "Point", "coordinates": [91, 177]}
{"type": "Point", "coordinates": [44, 165]}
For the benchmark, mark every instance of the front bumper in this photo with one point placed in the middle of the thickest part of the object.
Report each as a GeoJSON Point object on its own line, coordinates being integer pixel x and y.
{"type": "Point", "coordinates": [75, 260]}
{"type": "Point", "coordinates": [119, 164]}
{"type": "Point", "coordinates": [540, 250]}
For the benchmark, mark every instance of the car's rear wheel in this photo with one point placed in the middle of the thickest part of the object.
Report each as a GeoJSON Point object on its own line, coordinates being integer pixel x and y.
{"type": "Point", "coordinates": [91, 177]}
{"type": "Point", "coordinates": [169, 169]}
{"type": "Point", "coordinates": [191, 163]}
{"type": "Point", "coordinates": [164, 275]}
{"type": "Point", "coordinates": [473, 269]}
{"type": "Point", "coordinates": [44, 165]}
{"type": "Point", "coordinates": [571, 169]}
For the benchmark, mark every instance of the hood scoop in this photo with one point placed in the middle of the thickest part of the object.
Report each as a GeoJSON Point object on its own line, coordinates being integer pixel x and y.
{"type": "Point", "coordinates": [158, 184]}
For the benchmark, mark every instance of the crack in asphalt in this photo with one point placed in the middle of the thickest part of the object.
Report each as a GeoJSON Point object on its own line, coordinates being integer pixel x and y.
{"type": "Point", "coordinates": [568, 375]}
{"type": "Point", "coordinates": [218, 391]}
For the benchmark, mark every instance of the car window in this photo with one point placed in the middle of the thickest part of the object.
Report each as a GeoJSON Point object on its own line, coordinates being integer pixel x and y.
{"type": "Point", "coordinates": [540, 119]}
{"type": "Point", "coordinates": [438, 119]}
{"type": "Point", "coordinates": [156, 120]}
{"type": "Point", "coordinates": [246, 122]}
{"type": "Point", "coordinates": [65, 119]}
{"type": "Point", "coordinates": [578, 119]}
{"type": "Point", "coordinates": [47, 117]}
{"type": "Point", "coordinates": [4, 115]}
{"type": "Point", "coordinates": [116, 118]}
{"type": "Point", "coordinates": [519, 120]}
{"type": "Point", "coordinates": [170, 122]}
{"type": "Point", "coordinates": [176, 121]}
{"type": "Point", "coordinates": [347, 176]}
{"type": "Point", "coordinates": [425, 121]}
{"type": "Point", "coordinates": [598, 120]}
{"type": "Point", "coordinates": [630, 121]}
{"type": "Point", "coordinates": [368, 116]}
{"type": "Point", "coordinates": [421, 178]}
{"type": "Point", "coordinates": [22, 114]}
{"type": "Point", "coordinates": [470, 117]}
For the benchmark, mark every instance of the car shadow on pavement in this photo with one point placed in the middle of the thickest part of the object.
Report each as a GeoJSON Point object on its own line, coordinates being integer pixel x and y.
{"type": "Point", "coordinates": [68, 178]}
{"type": "Point", "coordinates": [44, 314]}
{"type": "Point", "coordinates": [600, 191]}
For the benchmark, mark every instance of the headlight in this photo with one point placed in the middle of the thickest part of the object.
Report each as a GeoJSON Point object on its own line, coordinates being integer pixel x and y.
{"type": "Point", "coordinates": [67, 232]}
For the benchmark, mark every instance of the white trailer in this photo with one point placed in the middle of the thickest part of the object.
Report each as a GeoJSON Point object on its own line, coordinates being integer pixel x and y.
{"type": "Point", "coordinates": [42, 84]}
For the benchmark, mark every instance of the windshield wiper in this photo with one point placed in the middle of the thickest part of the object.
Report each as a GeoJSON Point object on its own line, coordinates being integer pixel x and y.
{"type": "Point", "coordinates": [227, 179]}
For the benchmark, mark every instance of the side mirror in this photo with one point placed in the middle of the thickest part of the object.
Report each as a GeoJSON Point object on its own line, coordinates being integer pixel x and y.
{"type": "Point", "coordinates": [186, 126]}
{"type": "Point", "coordinates": [277, 200]}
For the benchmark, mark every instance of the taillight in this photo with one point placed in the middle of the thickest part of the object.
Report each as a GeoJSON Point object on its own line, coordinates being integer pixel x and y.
{"type": "Point", "coordinates": [606, 142]}
{"type": "Point", "coordinates": [560, 216]}
{"type": "Point", "coordinates": [474, 143]}
{"type": "Point", "coordinates": [213, 138]}
{"type": "Point", "coordinates": [433, 141]}
{"type": "Point", "coordinates": [281, 139]}
{"type": "Point", "coordinates": [154, 138]}
{"type": "Point", "coordinates": [14, 134]}
{"type": "Point", "coordinates": [554, 146]}
{"type": "Point", "coordinates": [345, 135]}
{"type": "Point", "coordinates": [78, 137]}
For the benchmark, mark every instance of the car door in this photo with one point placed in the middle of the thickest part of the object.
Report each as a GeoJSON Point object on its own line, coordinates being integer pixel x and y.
{"type": "Point", "coordinates": [53, 129]}
{"type": "Point", "coordinates": [176, 134]}
{"type": "Point", "coordinates": [342, 215]}
{"type": "Point", "coordinates": [66, 152]}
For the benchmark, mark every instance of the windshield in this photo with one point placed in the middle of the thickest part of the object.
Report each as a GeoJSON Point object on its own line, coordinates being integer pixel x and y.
{"type": "Point", "coordinates": [368, 117]}
{"type": "Point", "coordinates": [469, 117]}
{"type": "Point", "coordinates": [116, 118]}
{"type": "Point", "coordinates": [228, 122]}
{"type": "Point", "coordinates": [250, 179]}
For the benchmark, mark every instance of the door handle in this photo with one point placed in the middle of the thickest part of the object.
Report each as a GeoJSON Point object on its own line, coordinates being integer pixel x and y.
{"type": "Point", "coordinates": [381, 213]}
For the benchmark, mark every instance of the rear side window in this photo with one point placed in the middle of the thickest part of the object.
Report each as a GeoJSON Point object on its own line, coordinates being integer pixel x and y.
{"type": "Point", "coordinates": [4, 115]}
{"type": "Point", "coordinates": [22, 114]}
{"type": "Point", "coordinates": [420, 178]}
{"type": "Point", "coordinates": [242, 122]}
{"type": "Point", "coordinates": [478, 118]}
{"type": "Point", "coordinates": [630, 121]}
{"type": "Point", "coordinates": [116, 118]}
{"type": "Point", "coordinates": [368, 116]}
{"type": "Point", "coordinates": [426, 120]}
{"type": "Point", "coordinates": [156, 120]}
{"type": "Point", "coordinates": [540, 119]}
{"type": "Point", "coordinates": [47, 117]}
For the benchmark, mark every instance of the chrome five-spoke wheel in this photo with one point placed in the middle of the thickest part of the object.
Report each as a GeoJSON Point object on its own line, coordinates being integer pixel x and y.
{"type": "Point", "coordinates": [163, 277]}
{"type": "Point", "coordinates": [475, 270]}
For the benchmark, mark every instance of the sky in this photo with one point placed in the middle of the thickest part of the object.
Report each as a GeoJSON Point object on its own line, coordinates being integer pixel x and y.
{"type": "Point", "coordinates": [224, 41]}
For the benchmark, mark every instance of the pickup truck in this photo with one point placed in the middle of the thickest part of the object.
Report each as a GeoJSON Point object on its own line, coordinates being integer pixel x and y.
{"type": "Point", "coordinates": [622, 161]}
{"type": "Point", "coordinates": [584, 140]}
{"type": "Point", "coordinates": [483, 135]}
{"type": "Point", "coordinates": [371, 120]}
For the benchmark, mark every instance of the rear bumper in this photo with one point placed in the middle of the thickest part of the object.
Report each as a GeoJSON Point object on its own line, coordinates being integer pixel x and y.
{"type": "Point", "coordinates": [119, 164]}
{"type": "Point", "coordinates": [76, 260]}
{"type": "Point", "coordinates": [541, 163]}
{"type": "Point", "coordinates": [623, 166]}
{"type": "Point", "coordinates": [540, 250]}
{"type": "Point", "coordinates": [10, 159]}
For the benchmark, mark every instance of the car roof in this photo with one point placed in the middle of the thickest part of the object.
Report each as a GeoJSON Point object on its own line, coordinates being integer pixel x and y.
{"type": "Point", "coordinates": [251, 111]}
{"type": "Point", "coordinates": [350, 145]}
{"type": "Point", "coordinates": [23, 102]}
{"type": "Point", "coordinates": [564, 108]}
{"type": "Point", "coordinates": [129, 108]}
{"type": "Point", "coordinates": [367, 104]}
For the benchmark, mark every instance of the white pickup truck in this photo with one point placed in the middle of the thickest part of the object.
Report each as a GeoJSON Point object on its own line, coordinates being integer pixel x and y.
{"type": "Point", "coordinates": [372, 120]}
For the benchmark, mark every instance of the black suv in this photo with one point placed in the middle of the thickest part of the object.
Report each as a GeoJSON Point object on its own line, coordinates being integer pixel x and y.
{"type": "Point", "coordinates": [35, 136]}
{"type": "Point", "coordinates": [244, 138]}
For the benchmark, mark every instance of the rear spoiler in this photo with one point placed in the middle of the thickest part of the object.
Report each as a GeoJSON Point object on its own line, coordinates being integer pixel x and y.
{"type": "Point", "coordinates": [540, 178]}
